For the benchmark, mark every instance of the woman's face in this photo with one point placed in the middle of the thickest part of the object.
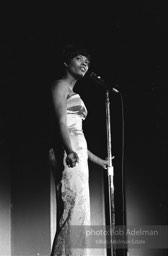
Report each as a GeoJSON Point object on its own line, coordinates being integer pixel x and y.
{"type": "Point", "coordinates": [78, 66]}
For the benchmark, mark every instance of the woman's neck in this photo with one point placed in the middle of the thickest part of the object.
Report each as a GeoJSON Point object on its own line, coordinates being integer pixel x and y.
{"type": "Point", "coordinates": [70, 81]}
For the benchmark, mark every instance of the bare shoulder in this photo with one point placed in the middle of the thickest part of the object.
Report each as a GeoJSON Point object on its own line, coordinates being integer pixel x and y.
{"type": "Point", "coordinates": [59, 87]}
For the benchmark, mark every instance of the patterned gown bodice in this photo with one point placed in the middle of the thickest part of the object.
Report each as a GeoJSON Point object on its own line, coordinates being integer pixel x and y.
{"type": "Point", "coordinates": [76, 113]}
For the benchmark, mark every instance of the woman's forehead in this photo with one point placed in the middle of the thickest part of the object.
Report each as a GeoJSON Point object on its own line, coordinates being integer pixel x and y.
{"type": "Point", "coordinates": [82, 56]}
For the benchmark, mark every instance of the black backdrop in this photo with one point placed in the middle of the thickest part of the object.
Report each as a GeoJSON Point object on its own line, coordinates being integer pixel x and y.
{"type": "Point", "coordinates": [126, 48]}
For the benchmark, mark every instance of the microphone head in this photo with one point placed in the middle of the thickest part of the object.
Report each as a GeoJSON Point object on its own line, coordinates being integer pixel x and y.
{"type": "Point", "coordinates": [100, 81]}
{"type": "Point", "coordinates": [97, 78]}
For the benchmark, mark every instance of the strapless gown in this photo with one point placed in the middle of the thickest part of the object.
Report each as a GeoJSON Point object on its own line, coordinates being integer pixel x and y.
{"type": "Point", "coordinates": [73, 189]}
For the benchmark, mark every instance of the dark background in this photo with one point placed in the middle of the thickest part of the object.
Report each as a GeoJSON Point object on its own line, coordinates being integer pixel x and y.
{"type": "Point", "coordinates": [129, 51]}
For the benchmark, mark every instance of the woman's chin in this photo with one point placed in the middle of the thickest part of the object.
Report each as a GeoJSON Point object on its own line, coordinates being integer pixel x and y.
{"type": "Point", "coordinates": [80, 75]}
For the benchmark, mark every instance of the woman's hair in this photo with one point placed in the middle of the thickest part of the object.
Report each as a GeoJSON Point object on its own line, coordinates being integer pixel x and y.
{"type": "Point", "coordinates": [70, 51]}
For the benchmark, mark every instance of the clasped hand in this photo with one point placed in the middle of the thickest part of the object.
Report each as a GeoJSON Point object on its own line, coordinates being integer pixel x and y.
{"type": "Point", "coordinates": [71, 159]}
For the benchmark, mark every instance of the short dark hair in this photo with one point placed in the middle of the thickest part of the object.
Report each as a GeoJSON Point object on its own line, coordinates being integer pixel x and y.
{"type": "Point", "coordinates": [70, 51]}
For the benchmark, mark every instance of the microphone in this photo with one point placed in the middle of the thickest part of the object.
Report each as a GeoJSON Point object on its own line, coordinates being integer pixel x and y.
{"type": "Point", "coordinates": [100, 81]}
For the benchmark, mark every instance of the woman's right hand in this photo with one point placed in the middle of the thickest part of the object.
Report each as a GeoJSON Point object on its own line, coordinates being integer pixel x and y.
{"type": "Point", "coordinates": [71, 159]}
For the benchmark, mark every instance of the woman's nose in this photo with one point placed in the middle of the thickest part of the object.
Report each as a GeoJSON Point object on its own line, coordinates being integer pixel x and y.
{"type": "Point", "coordinates": [84, 63]}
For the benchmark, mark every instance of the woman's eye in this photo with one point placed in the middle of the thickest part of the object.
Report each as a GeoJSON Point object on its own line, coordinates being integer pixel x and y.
{"type": "Point", "coordinates": [81, 59]}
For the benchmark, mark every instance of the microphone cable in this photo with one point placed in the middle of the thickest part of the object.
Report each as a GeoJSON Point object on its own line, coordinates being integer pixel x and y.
{"type": "Point", "coordinates": [122, 168]}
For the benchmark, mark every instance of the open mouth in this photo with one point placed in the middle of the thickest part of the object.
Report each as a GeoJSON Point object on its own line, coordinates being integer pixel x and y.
{"type": "Point", "coordinates": [83, 69]}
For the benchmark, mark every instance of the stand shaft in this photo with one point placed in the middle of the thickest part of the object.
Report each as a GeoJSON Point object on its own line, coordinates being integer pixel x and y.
{"type": "Point", "coordinates": [110, 175]}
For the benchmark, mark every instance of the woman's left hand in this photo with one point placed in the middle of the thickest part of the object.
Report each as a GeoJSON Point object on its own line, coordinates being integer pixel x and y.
{"type": "Point", "coordinates": [103, 163]}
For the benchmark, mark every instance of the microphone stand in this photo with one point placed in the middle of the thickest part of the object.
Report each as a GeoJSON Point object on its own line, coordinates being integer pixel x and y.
{"type": "Point", "coordinates": [110, 170]}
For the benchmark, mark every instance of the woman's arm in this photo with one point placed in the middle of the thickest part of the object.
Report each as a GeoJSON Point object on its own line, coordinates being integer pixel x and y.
{"type": "Point", "coordinates": [97, 160]}
{"type": "Point", "coordinates": [59, 96]}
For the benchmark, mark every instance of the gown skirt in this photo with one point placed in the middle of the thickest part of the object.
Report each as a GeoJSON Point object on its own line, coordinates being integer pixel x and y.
{"type": "Point", "coordinates": [72, 190]}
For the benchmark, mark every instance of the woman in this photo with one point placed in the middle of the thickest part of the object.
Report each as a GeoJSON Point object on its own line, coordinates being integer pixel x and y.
{"type": "Point", "coordinates": [72, 184]}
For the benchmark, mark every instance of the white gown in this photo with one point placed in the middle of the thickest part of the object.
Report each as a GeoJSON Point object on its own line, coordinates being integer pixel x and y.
{"type": "Point", "coordinates": [73, 189]}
